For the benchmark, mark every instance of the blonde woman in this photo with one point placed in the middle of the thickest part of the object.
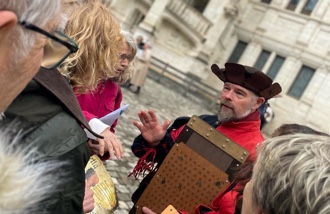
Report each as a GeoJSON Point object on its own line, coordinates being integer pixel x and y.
{"type": "Point", "coordinates": [108, 96]}
{"type": "Point", "coordinates": [102, 61]}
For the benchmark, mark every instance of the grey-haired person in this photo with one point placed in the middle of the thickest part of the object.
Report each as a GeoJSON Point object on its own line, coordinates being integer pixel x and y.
{"type": "Point", "coordinates": [25, 27]}
{"type": "Point", "coordinates": [30, 37]}
{"type": "Point", "coordinates": [291, 175]}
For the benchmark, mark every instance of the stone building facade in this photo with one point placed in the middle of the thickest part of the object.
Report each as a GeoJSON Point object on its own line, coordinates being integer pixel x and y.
{"type": "Point", "coordinates": [287, 39]}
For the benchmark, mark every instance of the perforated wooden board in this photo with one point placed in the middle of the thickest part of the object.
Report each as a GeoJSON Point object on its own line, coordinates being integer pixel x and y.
{"type": "Point", "coordinates": [185, 179]}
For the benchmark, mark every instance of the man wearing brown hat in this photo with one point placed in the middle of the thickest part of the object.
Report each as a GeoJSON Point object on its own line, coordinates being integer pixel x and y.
{"type": "Point", "coordinates": [245, 89]}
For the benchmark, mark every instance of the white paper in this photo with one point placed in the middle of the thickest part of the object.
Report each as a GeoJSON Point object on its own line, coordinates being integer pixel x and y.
{"type": "Point", "coordinates": [108, 119]}
{"type": "Point", "coordinates": [112, 116]}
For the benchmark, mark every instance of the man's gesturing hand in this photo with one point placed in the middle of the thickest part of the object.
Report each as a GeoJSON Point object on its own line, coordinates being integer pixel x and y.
{"type": "Point", "coordinates": [151, 130]}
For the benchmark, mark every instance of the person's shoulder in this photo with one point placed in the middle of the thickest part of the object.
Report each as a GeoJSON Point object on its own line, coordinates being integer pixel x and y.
{"type": "Point", "coordinates": [209, 118]}
{"type": "Point", "coordinates": [205, 117]}
{"type": "Point", "coordinates": [180, 121]}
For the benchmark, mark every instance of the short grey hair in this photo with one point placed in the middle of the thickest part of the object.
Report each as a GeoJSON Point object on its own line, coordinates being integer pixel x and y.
{"type": "Point", "coordinates": [129, 39]}
{"type": "Point", "coordinates": [37, 12]}
{"type": "Point", "coordinates": [292, 175]}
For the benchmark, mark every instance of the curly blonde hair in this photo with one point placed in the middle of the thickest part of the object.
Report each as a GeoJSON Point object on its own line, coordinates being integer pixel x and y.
{"type": "Point", "coordinates": [97, 33]}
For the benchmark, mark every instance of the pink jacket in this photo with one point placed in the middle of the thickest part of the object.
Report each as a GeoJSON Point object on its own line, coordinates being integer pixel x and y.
{"type": "Point", "coordinates": [105, 99]}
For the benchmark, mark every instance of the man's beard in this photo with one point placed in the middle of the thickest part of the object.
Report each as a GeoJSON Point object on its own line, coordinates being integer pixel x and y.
{"type": "Point", "coordinates": [229, 115]}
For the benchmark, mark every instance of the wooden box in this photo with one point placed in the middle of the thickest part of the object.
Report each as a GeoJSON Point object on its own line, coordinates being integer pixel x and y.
{"type": "Point", "coordinates": [195, 171]}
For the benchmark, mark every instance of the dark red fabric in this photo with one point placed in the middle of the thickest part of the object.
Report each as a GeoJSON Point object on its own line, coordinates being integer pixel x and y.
{"type": "Point", "coordinates": [144, 167]}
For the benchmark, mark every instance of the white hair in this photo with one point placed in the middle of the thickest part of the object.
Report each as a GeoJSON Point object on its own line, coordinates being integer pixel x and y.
{"type": "Point", "coordinates": [292, 175]}
{"type": "Point", "coordinates": [37, 12]}
{"type": "Point", "coordinates": [127, 73]}
{"type": "Point", "coordinates": [130, 41]}
{"type": "Point", "coordinates": [25, 179]}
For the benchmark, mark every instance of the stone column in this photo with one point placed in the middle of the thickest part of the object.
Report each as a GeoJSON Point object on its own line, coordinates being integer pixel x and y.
{"type": "Point", "coordinates": [220, 14]}
{"type": "Point", "coordinates": [250, 54]}
{"type": "Point", "coordinates": [300, 6]}
{"type": "Point", "coordinates": [321, 9]}
{"type": "Point", "coordinates": [285, 78]}
{"type": "Point", "coordinates": [280, 3]}
{"type": "Point", "coordinates": [269, 62]}
{"type": "Point", "coordinates": [153, 15]}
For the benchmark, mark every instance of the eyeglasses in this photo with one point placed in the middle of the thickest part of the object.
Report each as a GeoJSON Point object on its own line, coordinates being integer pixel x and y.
{"type": "Point", "coordinates": [58, 47]}
{"type": "Point", "coordinates": [122, 57]}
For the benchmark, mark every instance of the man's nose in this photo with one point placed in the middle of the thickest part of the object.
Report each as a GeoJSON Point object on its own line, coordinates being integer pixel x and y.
{"type": "Point", "coordinates": [228, 95]}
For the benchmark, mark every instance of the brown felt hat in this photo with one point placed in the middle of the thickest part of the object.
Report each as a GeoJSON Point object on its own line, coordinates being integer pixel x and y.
{"type": "Point", "coordinates": [249, 78]}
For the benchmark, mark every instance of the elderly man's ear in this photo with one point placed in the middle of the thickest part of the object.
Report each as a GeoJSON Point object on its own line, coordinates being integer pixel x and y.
{"type": "Point", "coordinates": [8, 20]}
{"type": "Point", "coordinates": [258, 102]}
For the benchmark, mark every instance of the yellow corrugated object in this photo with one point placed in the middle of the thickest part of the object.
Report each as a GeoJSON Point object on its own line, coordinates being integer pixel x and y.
{"type": "Point", "coordinates": [102, 185]}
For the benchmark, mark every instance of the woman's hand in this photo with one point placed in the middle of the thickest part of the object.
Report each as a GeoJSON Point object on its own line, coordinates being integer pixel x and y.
{"type": "Point", "coordinates": [88, 204]}
{"type": "Point", "coordinates": [110, 144]}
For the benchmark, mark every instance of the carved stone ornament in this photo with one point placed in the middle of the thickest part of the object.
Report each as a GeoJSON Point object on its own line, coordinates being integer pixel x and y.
{"type": "Point", "coordinates": [231, 10]}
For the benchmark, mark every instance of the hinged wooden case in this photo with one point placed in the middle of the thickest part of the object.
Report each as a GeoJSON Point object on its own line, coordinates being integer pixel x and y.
{"type": "Point", "coordinates": [195, 171]}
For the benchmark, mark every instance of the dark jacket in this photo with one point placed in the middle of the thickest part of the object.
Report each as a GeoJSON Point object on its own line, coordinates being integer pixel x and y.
{"type": "Point", "coordinates": [50, 119]}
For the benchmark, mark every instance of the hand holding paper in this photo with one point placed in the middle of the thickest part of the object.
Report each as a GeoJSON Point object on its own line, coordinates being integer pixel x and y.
{"type": "Point", "coordinates": [107, 119]}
